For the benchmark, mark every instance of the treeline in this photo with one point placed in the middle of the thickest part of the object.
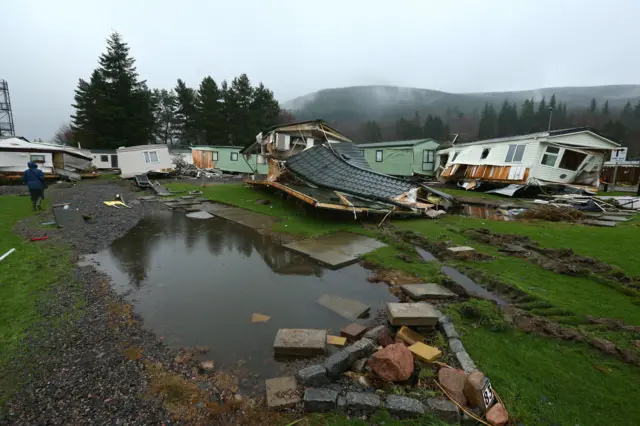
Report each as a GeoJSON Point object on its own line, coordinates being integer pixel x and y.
{"type": "Point", "coordinates": [510, 119]}
{"type": "Point", "coordinates": [115, 108]}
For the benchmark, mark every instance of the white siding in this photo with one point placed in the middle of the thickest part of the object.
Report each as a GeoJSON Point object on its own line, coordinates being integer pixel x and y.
{"type": "Point", "coordinates": [555, 174]}
{"type": "Point", "coordinates": [16, 161]}
{"type": "Point", "coordinates": [99, 164]}
{"type": "Point", "coordinates": [585, 139]}
{"type": "Point", "coordinates": [132, 161]}
{"type": "Point", "coordinates": [497, 153]}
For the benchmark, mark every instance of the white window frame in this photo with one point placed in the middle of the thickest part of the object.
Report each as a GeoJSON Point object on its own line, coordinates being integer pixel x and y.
{"type": "Point", "coordinates": [104, 158]}
{"type": "Point", "coordinates": [232, 154]}
{"type": "Point", "coordinates": [550, 154]}
{"type": "Point", "coordinates": [428, 163]}
{"type": "Point", "coordinates": [379, 157]}
{"type": "Point", "coordinates": [514, 153]}
{"type": "Point", "coordinates": [148, 159]}
{"type": "Point", "coordinates": [38, 158]}
{"type": "Point", "coordinates": [214, 155]}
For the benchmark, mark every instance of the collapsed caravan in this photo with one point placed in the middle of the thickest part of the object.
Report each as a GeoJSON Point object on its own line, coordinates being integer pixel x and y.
{"type": "Point", "coordinates": [319, 166]}
{"type": "Point", "coordinates": [569, 158]}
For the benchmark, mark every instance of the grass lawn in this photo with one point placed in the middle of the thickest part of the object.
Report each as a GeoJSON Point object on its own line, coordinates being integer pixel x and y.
{"type": "Point", "coordinates": [25, 275]}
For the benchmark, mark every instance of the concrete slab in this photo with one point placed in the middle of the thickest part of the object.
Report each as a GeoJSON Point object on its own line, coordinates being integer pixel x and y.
{"type": "Point", "coordinates": [161, 191]}
{"type": "Point", "coordinates": [246, 218]}
{"type": "Point", "coordinates": [300, 342]}
{"type": "Point", "coordinates": [612, 218]}
{"type": "Point", "coordinates": [199, 215]}
{"type": "Point", "coordinates": [68, 218]}
{"type": "Point", "coordinates": [604, 223]}
{"type": "Point", "coordinates": [337, 249]}
{"type": "Point", "coordinates": [347, 308]}
{"type": "Point", "coordinates": [282, 392]}
{"type": "Point", "coordinates": [419, 314]}
{"type": "Point", "coordinates": [461, 249]}
{"type": "Point", "coordinates": [427, 291]}
{"type": "Point", "coordinates": [353, 331]}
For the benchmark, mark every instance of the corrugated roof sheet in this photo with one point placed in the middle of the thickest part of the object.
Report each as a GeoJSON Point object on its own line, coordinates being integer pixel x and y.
{"type": "Point", "coordinates": [322, 167]}
{"type": "Point", "coordinates": [410, 142]}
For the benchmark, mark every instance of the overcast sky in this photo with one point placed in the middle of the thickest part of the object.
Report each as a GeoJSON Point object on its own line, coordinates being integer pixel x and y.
{"type": "Point", "coordinates": [296, 47]}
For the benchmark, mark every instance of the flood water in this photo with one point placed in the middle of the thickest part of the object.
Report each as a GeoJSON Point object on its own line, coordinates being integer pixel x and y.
{"type": "Point", "coordinates": [470, 285]}
{"type": "Point", "coordinates": [197, 282]}
{"type": "Point", "coordinates": [491, 213]}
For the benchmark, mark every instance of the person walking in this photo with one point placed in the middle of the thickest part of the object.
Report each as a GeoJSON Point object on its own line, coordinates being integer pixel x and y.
{"type": "Point", "coordinates": [34, 178]}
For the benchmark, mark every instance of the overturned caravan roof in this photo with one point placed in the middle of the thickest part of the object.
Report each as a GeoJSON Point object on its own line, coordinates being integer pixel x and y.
{"type": "Point", "coordinates": [336, 176]}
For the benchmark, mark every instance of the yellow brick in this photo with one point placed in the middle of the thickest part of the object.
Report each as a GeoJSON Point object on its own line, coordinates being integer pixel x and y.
{"type": "Point", "coordinates": [336, 340]}
{"type": "Point", "coordinates": [409, 336]}
{"type": "Point", "coordinates": [424, 352]}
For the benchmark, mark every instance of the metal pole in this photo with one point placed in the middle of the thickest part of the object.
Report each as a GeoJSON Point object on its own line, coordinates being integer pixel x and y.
{"type": "Point", "coordinates": [615, 172]}
{"type": "Point", "coordinates": [550, 114]}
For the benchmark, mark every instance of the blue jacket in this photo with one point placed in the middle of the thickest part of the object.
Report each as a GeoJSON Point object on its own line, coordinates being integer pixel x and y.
{"type": "Point", "coordinates": [33, 176]}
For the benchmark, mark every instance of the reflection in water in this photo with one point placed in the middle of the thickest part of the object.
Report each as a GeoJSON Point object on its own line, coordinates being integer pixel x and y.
{"type": "Point", "coordinates": [197, 282]}
{"type": "Point", "coordinates": [470, 285]}
{"type": "Point", "coordinates": [491, 213]}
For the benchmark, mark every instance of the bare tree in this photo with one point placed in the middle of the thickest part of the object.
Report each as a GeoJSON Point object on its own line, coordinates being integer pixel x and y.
{"type": "Point", "coordinates": [63, 135]}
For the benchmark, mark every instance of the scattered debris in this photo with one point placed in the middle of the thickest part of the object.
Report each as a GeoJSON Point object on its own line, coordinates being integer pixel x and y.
{"type": "Point", "coordinates": [48, 223]}
{"type": "Point", "coordinates": [67, 217]}
{"type": "Point", "coordinates": [282, 392]}
{"type": "Point", "coordinates": [435, 214]}
{"type": "Point", "coordinates": [425, 353]}
{"type": "Point", "coordinates": [336, 340]}
{"type": "Point", "coordinates": [553, 214]}
{"type": "Point", "coordinates": [409, 336]}
{"type": "Point", "coordinates": [196, 192]}
{"type": "Point", "coordinates": [256, 317]}
{"type": "Point", "coordinates": [207, 365]}
{"type": "Point", "coordinates": [347, 308]}
{"type": "Point", "coordinates": [7, 254]}
{"type": "Point", "coordinates": [45, 237]}
{"type": "Point", "coordinates": [460, 249]}
{"type": "Point", "coordinates": [353, 331]}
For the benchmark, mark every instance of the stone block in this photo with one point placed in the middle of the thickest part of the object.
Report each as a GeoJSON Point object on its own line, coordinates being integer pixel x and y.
{"type": "Point", "coordinates": [444, 409]}
{"type": "Point", "coordinates": [418, 314]}
{"type": "Point", "coordinates": [461, 249]}
{"type": "Point", "coordinates": [409, 336]}
{"type": "Point", "coordinates": [497, 415]}
{"type": "Point", "coordinates": [404, 407]}
{"type": "Point", "coordinates": [320, 400]}
{"type": "Point", "coordinates": [353, 331]}
{"type": "Point", "coordinates": [473, 387]}
{"type": "Point", "coordinates": [427, 291]}
{"type": "Point", "coordinates": [199, 215]}
{"type": "Point", "coordinates": [337, 363]}
{"type": "Point", "coordinates": [347, 308]}
{"type": "Point", "coordinates": [466, 362]}
{"type": "Point", "coordinates": [366, 402]}
{"type": "Point", "coordinates": [452, 381]}
{"type": "Point", "coordinates": [374, 333]}
{"type": "Point", "coordinates": [359, 365]}
{"type": "Point", "coordinates": [360, 349]}
{"type": "Point", "coordinates": [300, 342]}
{"type": "Point", "coordinates": [336, 340]}
{"type": "Point", "coordinates": [449, 330]}
{"type": "Point", "coordinates": [282, 392]}
{"type": "Point", "coordinates": [456, 345]}
{"type": "Point", "coordinates": [314, 375]}
{"type": "Point", "coordinates": [424, 353]}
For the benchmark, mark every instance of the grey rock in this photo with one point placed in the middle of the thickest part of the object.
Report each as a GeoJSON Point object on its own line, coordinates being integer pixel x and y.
{"type": "Point", "coordinates": [337, 363]}
{"type": "Point", "coordinates": [359, 365]}
{"type": "Point", "coordinates": [444, 409]}
{"type": "Point", "coordinates": [456, 345]}
{"type": "Point", "coordinates": [342, 402]}
{"type": "Point", "coordinates": [444, 320]}
{"type": "Point", "coordinates": [449, 330]}
{"type": "Point", "coordinates": [320, 400]}
{"type": "Point", "coordinates": [403, 407]}
{"type": "Point", "coordinates": [360, 349]}
{"type": "Point", "coordinates": [374, 333]}
{"type": "Point", "coordinates": [314, 375]}
{"type": "Point", "coordinates": [466, 362]}
{"type": "Point", "coordinates": [366, 402]}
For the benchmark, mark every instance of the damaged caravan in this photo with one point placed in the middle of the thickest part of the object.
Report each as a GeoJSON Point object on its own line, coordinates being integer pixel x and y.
{"type": "Point", "coordinates": [321, 167]}
{"type": "Point", "coordinates": [570, 157]}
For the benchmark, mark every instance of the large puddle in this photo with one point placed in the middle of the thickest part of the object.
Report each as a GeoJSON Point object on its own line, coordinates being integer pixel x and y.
{"type": "Point", "coordinates": [197, 282]}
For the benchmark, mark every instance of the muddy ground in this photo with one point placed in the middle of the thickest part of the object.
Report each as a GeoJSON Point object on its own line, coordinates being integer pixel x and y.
{"type": "Point", "coordinates": [97, 364]}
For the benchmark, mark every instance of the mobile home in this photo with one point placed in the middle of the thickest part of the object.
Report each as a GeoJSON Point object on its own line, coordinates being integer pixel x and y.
{"type": "Point", "coordinates": [228, 159]}
{"type": "Point", "coordinates": [141, 159]}
{"type": "Point", "coordinates": [402, 158]}
{"type": "Point", "coordinates": [566, 157]}
{"type": "Point", "coordinates": [104, 159]}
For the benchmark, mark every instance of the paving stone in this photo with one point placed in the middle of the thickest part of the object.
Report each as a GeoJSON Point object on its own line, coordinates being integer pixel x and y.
{"type": "Point", "coordinates": [68, 218]}
{"type": "Point", "coordinates": [336, 340]}
{"type": "Point", "coordinates": [427, 291]}
{"type": "Point", "coordinates": [423, 314]}
{"type": "Point", "coordinates": [359, 365]}
{"type": "Point", "coordinates": [604, 223]}
{"type": "Point", "coordinates": [424, 353]}
{"type": "Point", "coordinates": [365, 402]}
{"type": "Point", "coordinates": [456, 345]}
{"type": "Point", "coordinates": [300, 342]}
{"type": "Point", "coordinates": [360, 349]}
{"type": "Point", "coordinates": [347, 308]}
{"type": "Point", "coordinates": [461, 249]}
{"type": "Point", "coordinates": [466, 362]}
{"type": "Point", "coordinates": [341, 402]}
{"type": "Point", "coordinates": [449, 330]}
{"type": "Point", "coordinates": [353, 331]}
{"type": "Point", "coordinates": [444, 409]}
{"type": "Point", "coordinates": [282, 392]}
{"type": "Point", "coordinates": [336, 249]}
{"type": "Point", "coordinates": [375, 333]}
{"type": "Point", "coordinates": [403, 406]}
{"type": "Point", "coordinates": [320, 400]}
{"type": "Point", "coordinates": [409, 336]}
{"type": "Point", "coordinates": [314, 375]}
{"type": "Point", "coordinates": [199, 215]}
{"type": "Point", "coordinates": [337, 363]}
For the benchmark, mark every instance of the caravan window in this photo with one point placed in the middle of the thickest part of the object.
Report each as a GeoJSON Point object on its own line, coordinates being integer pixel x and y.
{"type": "Point", "coordinates": [428, 157]}
{"type": "Point", "coordinates": [485, 153]}
{"type": "Point", "coordinates": [550, 156]}
{"type": "Point", "coordinates": [515, 153]}
{"type": "Point", "coordinates": [234, 156]}
{"type": "Point", "coordinates": [37, 158]}
{"type": "Point", "coordinates": [214, 155]}
{"type": "Point", "coordinates": [151, 157]}
{"type": "Point", "coordinates": [104, 158]}
{"type": "Point", "coordinates": [378, 156]}
{"type": "Point", "coordinates": [571, 160]}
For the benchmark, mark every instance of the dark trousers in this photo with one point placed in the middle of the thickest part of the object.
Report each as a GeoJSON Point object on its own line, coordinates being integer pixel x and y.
{"type": "Point", "coordinates": [37, 195]}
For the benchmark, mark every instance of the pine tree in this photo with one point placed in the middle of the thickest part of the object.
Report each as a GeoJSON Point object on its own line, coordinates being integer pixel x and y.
{"type": "Point", "coordinates": [542, 116]}
{"type": "Point", "coordinates": [209, 116]}
{"type": "Point", "coordinates": [507, 120]}
{"type": "Point", "coordinates": [552, 102]}
{"type": "Point", "coordinates": [371, 132]}
{"type": "Point", "coordinates": [264, 109]}
{"type": "Point", "coordinates": [165, 115]}
{"type": "Point", "coordinates": [435, 128]}
{"type": "Point", "coordinates": [593, 106]}
{"type": "Point", "coordinates": [185, 117]}
{"type": "Point", "coordinates": [627, 111]}
{"type": "Point", "coordinates": [605, 108]}
{"type": "Point", "coordinates": [238, 100]}
{"type": "Point", "coordinates": [115, 109]}
{"type": "Point", "coordinates": [528, 117]}
{"type": "Point", "coordinates": [488, 126]}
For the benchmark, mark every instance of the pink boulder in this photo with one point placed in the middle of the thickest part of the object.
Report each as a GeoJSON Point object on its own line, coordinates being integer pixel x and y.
{"type": "Point", "coordinates": [393, 363]}
{"type": "Point", "coordinates": [497, 415]}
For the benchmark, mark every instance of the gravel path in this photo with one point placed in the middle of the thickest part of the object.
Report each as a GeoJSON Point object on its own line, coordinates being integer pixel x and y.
{"type": "Point", "coordinates": [89, 366]}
